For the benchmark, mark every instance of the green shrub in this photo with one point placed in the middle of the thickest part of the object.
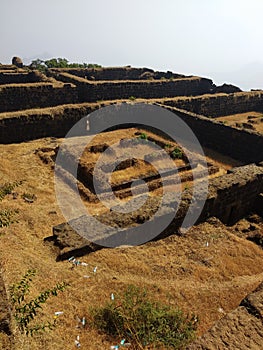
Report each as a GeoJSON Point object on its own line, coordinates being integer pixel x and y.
{"type": "Point", "coordinates": [59, 63]}
{"type": "Point", "coordinates": [177, 153]}
{"type": "Point", "coordinates": [7, 217]}
{"type": "Point", "coordinates": [132, 98]}
{"type": "Point", "coordinates": [143, 136]}
{"type": "Point", "coordinates": [7, 188]}
{"type": "Point", "coordinates": [143, 322]}
{"type": "Point", "coordinates": [26, 311]}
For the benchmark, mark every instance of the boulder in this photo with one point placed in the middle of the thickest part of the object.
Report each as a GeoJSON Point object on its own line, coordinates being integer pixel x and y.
{"type": "Point", "coordinates": [240, 329]}
{"type": "Point", "coordinates": [16, 61]}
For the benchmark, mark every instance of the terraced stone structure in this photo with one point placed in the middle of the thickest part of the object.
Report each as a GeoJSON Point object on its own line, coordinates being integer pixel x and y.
{"type": "Point", "coordinates": [64, 96]}
{"type": "Point", "coordinates": [227, 122]}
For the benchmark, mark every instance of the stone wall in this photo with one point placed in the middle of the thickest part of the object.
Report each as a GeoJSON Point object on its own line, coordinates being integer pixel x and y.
{"type": "Point", "coordinates": [8, 67]}
{"type": "Point", "coordinates": [232, 196]}
{"type": "Point", "coordinates": [244, 145]}
{"type": "Point", "coordinates": [221, 104]}
{"type": "Point", "coordinates": [16, 97]}
{"type": "Point", "coordinates": [19, 78]}
{"type": "Point", "coordinates": [118, 73]}
{"type": "Point", "coordinates": [96, 91]}
{"type": "Point", "coordinates": [48, 122]}
{"type": "Point", "coordinates": [258, 207]}
{"type": "Point", "coordinates": [147, 89]}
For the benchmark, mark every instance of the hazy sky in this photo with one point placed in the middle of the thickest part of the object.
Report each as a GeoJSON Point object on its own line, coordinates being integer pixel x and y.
{"type": "Point", "coordinates": [221, 39]}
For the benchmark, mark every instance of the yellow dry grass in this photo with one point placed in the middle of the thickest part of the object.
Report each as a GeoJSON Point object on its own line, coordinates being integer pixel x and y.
{"type": "Point", "coordinates": [182, 271]}
{"type": "Point", "coordinates": [231, 120]}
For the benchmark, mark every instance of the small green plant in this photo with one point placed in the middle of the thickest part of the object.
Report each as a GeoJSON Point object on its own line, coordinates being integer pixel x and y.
{"type": "Point", "coordinates": [19, 290]}
{"type": "Point", "coordinates": [132, 98]}
{"type": "Point", "coordinates": [26, 311]}
{"type": "Point", "coordinates": [168, 145]}
{"type": "Point", "coordinates": [143, 136]}
{"type": "Point", "coordinates": [143, 322]}
{"type": "Point", "coordinates": [7, 217]}
{"type": "Point", "coordinates": [7, 188]}
{"type": "Point", "coordinates": [177, 153]}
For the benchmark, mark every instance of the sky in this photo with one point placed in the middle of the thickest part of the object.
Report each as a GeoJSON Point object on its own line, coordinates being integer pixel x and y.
{"type": "Point", "coordinates": [219, 39]}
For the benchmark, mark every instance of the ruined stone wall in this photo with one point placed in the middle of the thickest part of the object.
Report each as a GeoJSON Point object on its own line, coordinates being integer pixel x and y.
{"type": "Point", "coordinates": [96, 91]}
{"type": "Point", "coordinates": [48, 122]}
{"type": "Point", "coordinates": [221, 104]}
{"type": "Point", "coordinates": [244, 145]}
{"type": "Point", "coordinates": [8, 67]}
{"type": "Point", "coordinates": [19, 78]}
{"type": "Point", "coordinates": [39, 95]}
{"type": "Point", "coordinates": [232, 196]}
{"type": "Point", "coordinates": [118, 73]}
{"type": "Point", "coordinates": [149, 89]}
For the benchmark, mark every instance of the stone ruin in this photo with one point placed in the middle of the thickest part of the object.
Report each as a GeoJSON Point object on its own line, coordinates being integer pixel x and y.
{"type": "Point", "coordinates": [226, 121]}
{"type": "Point", "coordinates": [35, 105]}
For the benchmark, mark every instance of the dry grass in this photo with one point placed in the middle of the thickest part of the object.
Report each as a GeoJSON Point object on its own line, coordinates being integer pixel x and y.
{"type": "Point", "coordinates": [147, 81]}
{"type": "Point", "coordinates": [182, 271]}
{"type": "Point", "coordinates": [231, 120]}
